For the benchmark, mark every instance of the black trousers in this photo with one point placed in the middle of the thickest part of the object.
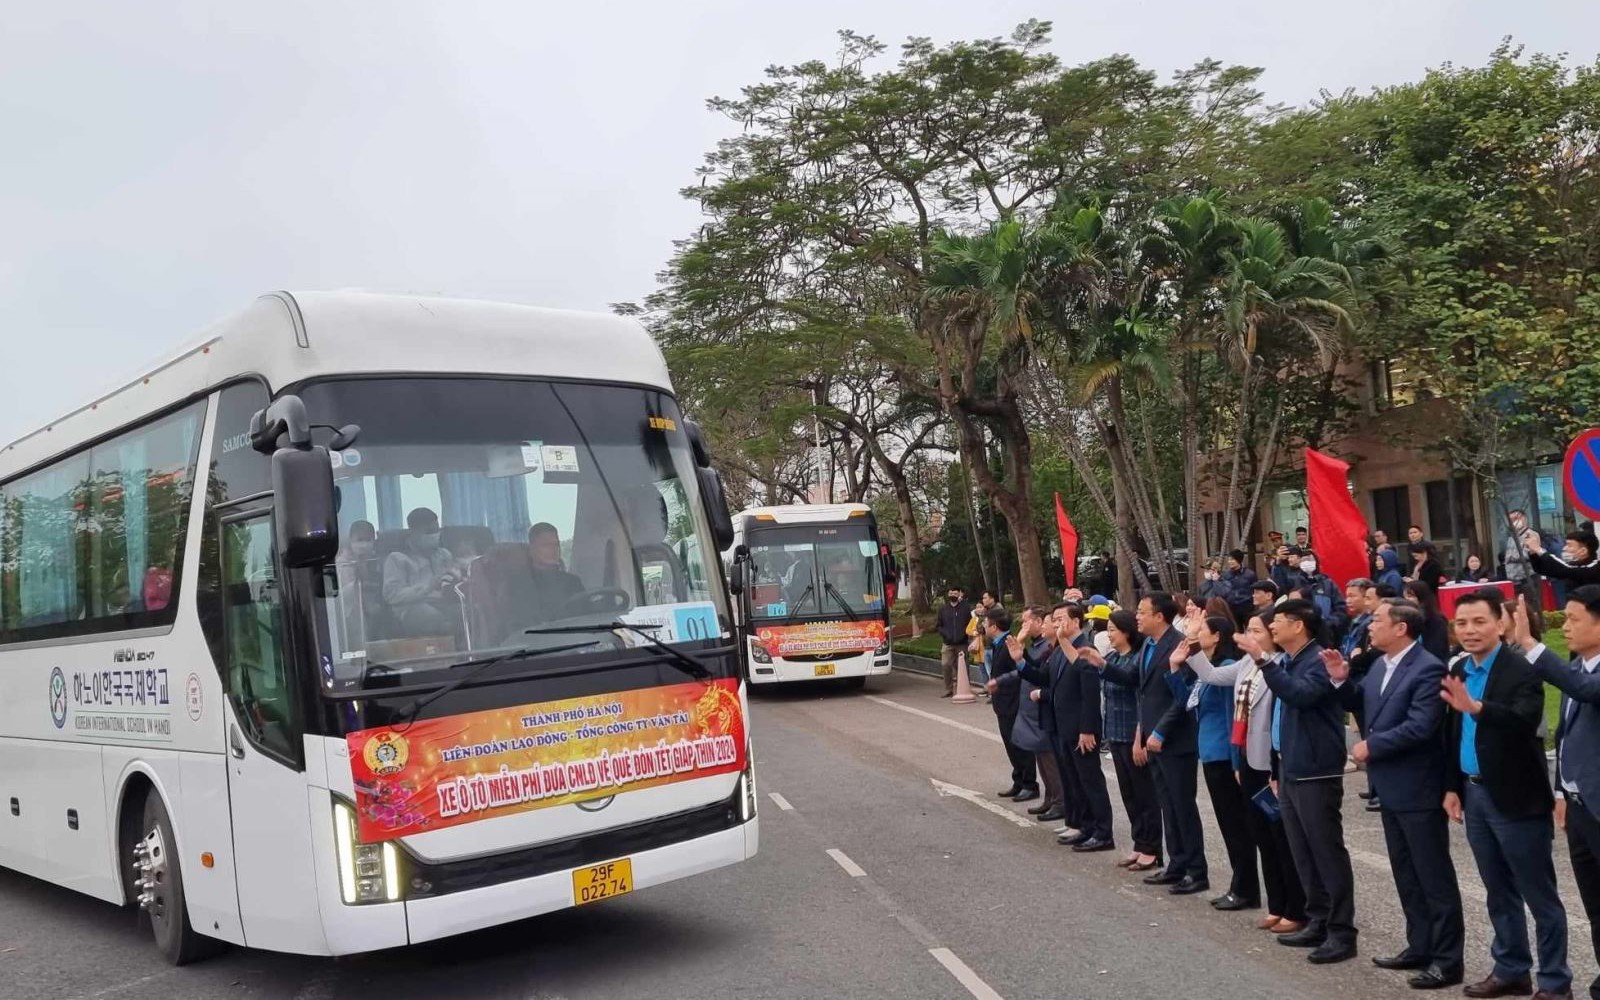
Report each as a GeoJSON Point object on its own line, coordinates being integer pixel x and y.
{"type": "Point", "coordinates": [1138, 788]}
{"type": "Point", "coordinates": [1089, 784]}
{"type": "Point", "coordinates": [1583, 843]}
{"type": "Point", "coordinates": [1024, 772]}
{"type": "Point", "coordinates": [1071, 789]}
{"type": "Point", "coordinates": [1229, 805]}
{"type": "Point", "coordinates": [1285, 897]}
{"type": "Point", "coordinates": [1424, 875]}
{"type": "Point", "coordinates": [1177, 785]}
{"type": "Point", "coordinates": [1314, 825]}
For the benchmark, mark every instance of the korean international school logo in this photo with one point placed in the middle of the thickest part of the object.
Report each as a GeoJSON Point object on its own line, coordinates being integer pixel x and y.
{"type": "Point", "coordinates": [58, 698]}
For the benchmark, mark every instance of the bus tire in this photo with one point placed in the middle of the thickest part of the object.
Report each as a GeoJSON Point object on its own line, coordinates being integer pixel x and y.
{"type": "Point", "coordinates": [158, 887]}
{"type": "Point", "coordinates": [855, 683]}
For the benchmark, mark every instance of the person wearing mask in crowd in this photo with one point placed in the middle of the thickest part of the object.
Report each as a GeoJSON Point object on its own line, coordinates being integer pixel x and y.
{"type": "Point", "coordinates": [1425, 564]}
{"type": "Point", "coordinates": [1255, 739]}
{"type": "Point", "coordinates": [1135, 780]}
{"type": "Point", "coordinates": [1212, 656]}
{"type": "Point", "coordinates": [951, 624]}
{"type": "Point", "coordinates": [1073, 697]}
{"type": "Point", "coordinates": [1577, 565]}
{"type": "Point", "coordinates": [1240, 579]}
{"type": "Point", "coordinates": [1311, 786]}
{"type": "Point", "coordinates": [1004, 699]}
{"type": "Point", "coordinates": [1403, 750]}
{"type": "Point", "coordinates": [1514, 553]}
{"type": "Point", "coordinates": [1264, 594]}
{"type": "Point", "coordinates": [1321, 591]}
{"type": "Point", "coordinates": [1212, 584]}
{"type": "Point", "coordinates": [1435, 627]}
{"type": "Point", "coordinates": [1473, 570]}
{"type": "Point", "coordinates": [1389, 569]}
{"type": "Point", "coordinates": [1498, 785]}
{"type": "Point", "coordinates": [977, 646]}
{"type": "Point", "coordinates": [1577, 784]}
{"type": "Point", "coordinates": [1167, 735]}
{"type": "Point", "coordinates": [1030, 733]}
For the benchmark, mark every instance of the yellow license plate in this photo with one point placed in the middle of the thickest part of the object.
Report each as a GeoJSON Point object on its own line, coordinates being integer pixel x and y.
{"type": "Point", "coordinates": [824, 670]}
{"type": "Point", "coordinates": [597, 882]}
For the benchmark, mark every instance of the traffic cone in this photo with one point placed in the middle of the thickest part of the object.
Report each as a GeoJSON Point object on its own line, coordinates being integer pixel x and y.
{"type": "Point", "coordinates": [963, 695]}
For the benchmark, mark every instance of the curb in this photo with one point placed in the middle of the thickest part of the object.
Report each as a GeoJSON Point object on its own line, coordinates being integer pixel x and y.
{"type": "Point", "coordinates": [918, 664]}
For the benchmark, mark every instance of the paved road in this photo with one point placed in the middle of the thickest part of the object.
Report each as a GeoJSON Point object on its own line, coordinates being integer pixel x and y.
{"type": "Point", "coordinates": [879, 876]}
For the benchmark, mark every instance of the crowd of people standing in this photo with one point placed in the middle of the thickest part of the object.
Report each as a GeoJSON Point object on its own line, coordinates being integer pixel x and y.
{"type": "Point", "coordinates": [1250, 687]}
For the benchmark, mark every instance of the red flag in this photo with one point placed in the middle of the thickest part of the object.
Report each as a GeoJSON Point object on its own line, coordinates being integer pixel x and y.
{"type": "Point", "coordinates": [1338, 531]}
{"type": "Point", "coordinates": [1069, 543]}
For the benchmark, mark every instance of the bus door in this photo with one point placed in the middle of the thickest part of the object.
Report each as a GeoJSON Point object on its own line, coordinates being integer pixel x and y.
{"type": "Point", "coordinates": [267, 791]}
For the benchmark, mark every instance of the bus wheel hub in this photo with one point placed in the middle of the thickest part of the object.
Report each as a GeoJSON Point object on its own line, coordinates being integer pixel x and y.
{"type": "Point", "coordinates": [150, 865]}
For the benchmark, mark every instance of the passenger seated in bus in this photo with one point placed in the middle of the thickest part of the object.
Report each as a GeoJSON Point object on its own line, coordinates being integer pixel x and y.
{"type": "Point", "coordinates": [848, 579]}
{"type": "Point", "coordinates": [360, 576]}
{"type": "Point", "coordinates": [552, 586]}
{"type": "Point", "coordinates": [417, 580]}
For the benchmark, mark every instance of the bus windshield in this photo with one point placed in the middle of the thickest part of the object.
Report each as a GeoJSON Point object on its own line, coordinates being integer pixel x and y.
{"type": "Point", "coordinates": [472, 510]}
{"type": "Point", "coordinates": [826, 570]}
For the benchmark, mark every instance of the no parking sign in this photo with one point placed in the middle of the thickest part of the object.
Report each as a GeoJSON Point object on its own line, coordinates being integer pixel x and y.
{"type": "Point", "coordinates": [1581, 472]}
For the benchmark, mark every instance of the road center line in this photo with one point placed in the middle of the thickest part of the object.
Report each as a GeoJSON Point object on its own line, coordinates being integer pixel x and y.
{"type": "Point", "coordinates": [780, 802]}
{"type": "Point", "coordinates": [850, 867]}
{"type": "Point", "coordinates": [964, 974]}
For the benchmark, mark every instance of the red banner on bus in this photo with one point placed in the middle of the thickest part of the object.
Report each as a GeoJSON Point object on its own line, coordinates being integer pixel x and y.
{"type": "Point", "coordinates": [444, 772]}
{"type": "Point", "coordinates": [822, 637]}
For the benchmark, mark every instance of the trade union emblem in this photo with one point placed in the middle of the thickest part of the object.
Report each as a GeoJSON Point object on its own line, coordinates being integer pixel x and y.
{"type": "Point", "coordinates": [386, 753]}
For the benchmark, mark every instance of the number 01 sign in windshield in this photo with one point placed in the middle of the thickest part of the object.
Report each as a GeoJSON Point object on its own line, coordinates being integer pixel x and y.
{"type": "Point", "coordinates": [445, 772]}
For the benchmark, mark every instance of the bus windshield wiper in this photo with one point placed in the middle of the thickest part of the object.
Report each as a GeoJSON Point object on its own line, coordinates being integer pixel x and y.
{"type": "Point", "coordinates": [798, 604]}
{"type": "Point", "coordinates": [478, 667]}
{"type": "Point", "coordinates": [844, 604]}
{"type": "Point", "coordinates": [690, 665]}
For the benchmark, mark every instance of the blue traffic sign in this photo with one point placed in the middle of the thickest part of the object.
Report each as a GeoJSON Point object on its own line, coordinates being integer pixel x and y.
{"type": "Point", "coordinates": [1581, 471]}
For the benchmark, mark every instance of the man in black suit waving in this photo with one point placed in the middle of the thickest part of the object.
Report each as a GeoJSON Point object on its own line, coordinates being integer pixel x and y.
{"type": "Point", "coordinates": [1074, 693]}
{"type": "Point", "coordinates": [1499, 787]}
{"type": "Point", "coordinates": [1577, 741]}
{"type": "Point", "coordinates": [1167, 732]}
{"type": "Point", "coordinates": [1006, 701]}
{"type": "Point", "coordinates": [1312, 784]}
{"type": "Point", "coordinates": [1404, 750]}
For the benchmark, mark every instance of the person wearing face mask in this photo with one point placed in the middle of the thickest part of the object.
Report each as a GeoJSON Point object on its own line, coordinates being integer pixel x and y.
{"type": "Point", "coordinates": [1577, 564]}
{"type": "Point", "coordinates": [417, 578]}
{"type": "Point", "coordinates": [1321, 591]}
{"type": "Point", "coordinates": [951, 624]}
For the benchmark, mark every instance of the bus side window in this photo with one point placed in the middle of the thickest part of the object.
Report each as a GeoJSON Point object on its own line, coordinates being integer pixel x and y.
{"type": "Point", "coordinates": [256, 669]}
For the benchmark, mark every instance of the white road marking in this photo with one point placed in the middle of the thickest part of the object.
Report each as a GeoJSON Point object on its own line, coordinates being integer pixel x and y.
{"type": "Point", "coordinates": [987, 734]}
{"type": "Point", "coordinates": [964, 975]}
{"type": "Point", "coordinates": [780, 802]}
{"type": "Point", "coordinates": [850, 867]}
{"type": "Point", "coordinates": [945, 789]}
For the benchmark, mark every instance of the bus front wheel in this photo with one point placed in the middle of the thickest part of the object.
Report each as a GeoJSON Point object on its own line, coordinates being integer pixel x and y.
{"type": "Point", "coordinates": [158, 887]}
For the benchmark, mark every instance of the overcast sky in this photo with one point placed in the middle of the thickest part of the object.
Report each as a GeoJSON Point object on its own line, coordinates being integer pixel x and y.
{"type": "Point", "coordinates": [163, 163]}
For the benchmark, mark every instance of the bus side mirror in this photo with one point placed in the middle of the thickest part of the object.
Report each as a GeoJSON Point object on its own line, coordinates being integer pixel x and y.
{"type": "Point", "coordinates": [304, 511]}
{"type": "Point", "coordinates": [716, 502]}
{"type": "Point", "coordinates": [739, 569]}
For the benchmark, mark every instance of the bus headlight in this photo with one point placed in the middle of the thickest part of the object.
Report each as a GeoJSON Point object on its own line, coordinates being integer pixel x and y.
{"type": "Point", "coordinates": [747, 789]}
{"type": "Point", "coordinates": [758, 652]}
{"type": "Point", "coordinates": [368, 873]}
{"type": "Point", "coordinates": [883, 648]}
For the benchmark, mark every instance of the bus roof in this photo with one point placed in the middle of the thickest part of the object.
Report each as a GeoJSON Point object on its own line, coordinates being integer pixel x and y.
{"type": "Point", "coordinates": [286, 337]}
{"type": "Point", "coordinates": [805, 513]}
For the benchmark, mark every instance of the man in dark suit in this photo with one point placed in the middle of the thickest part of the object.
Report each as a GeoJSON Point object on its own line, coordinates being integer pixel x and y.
{"type": "Point", "coordinates": [1311, 733]}
{"type": "Point", "coordinates": [1004, 698]}
{"type": "Point", "coordinates": [1074, 694]}
{"type": "Point", "coordinates": [1404, 749]}
{"type": "Point", "coordinates": [1577, 741]}
{"type": "Point", "coordinates": [1498, 785]}
{"type": "Point", "coordinates": [1168, 734]}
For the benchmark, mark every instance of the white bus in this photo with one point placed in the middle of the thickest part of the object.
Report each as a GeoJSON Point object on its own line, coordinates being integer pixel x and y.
{"type": "Point", "coordinates": [812, 600]}
{"type": "Point", "coordinates": [297, 684]}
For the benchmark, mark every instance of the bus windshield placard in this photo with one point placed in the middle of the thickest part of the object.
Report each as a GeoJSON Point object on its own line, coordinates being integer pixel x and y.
{"type": "Point", "coordinates": [444, 772]}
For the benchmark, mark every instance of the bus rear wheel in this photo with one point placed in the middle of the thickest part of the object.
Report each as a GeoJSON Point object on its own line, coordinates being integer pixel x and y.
{"type": "Point", "coordinates": [158, 887]}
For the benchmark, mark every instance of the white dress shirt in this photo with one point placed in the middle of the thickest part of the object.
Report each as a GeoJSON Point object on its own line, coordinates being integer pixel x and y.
{"type": "Point", "coordinates": [1391, 664]}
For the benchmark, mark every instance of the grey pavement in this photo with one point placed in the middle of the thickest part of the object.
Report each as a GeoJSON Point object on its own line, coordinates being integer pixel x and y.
{"type": "Point", "coordinates": [894, 872]}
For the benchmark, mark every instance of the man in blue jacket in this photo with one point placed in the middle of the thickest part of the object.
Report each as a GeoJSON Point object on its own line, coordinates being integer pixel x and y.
{"type": "Point", "coordinates": [1311, 789]}
{"type": "Point", "coordinates": [1404, 750]}
{"type": "Point", "coordinates": [1577, 742]}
